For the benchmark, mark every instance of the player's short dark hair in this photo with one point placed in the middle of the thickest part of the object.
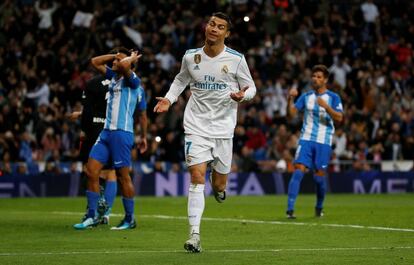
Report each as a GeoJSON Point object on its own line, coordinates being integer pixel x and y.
{"type": "Point", "coordinates": [225, 17]}
{"type": "Point", "coordinates": [321, 68]}
{"type": "Point", "coordinates": [120, 50]}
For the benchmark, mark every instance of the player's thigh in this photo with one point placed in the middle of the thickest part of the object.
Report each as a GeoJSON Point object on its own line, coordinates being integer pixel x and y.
{"type": "Point", "coordinates": [121, 143]}
{"type": "Point", "coordinates": [322, 156]}
{"type": "Point", "coordinates": [197, 150]}
{"type": "Point", "coordinates": [304, 154]}
{"type": "Point", "coordinates": [223, 155]}
{"type": "Point", "coordinates": [100, 150]}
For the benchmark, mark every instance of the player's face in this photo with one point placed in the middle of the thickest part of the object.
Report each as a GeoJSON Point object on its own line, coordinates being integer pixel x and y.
{"type": "Point", "coordinates": [318, 80]}
{"type": "Point", "coordinates": [216, 30]}
{"type": "Point", "coordinates": [118, 58]}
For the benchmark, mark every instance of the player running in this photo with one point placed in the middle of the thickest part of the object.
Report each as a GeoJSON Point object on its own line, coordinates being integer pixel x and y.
{"type": "Point", "coordinates": [219, 78]}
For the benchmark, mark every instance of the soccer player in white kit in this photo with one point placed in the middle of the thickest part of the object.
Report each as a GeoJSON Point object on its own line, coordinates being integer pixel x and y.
{"type": "Point", "coordinates": [219, 78]}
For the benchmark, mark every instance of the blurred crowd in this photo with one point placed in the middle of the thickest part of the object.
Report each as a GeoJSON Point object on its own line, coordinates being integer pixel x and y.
{"type": "Point", "coordinates": [45, 47]}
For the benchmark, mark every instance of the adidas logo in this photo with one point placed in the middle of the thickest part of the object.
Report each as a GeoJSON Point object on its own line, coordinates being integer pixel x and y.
{"type": "Point", "coordinates": [196, 67]}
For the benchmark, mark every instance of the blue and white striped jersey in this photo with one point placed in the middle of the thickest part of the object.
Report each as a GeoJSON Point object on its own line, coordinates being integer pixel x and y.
{"type": "Point", "coordinates": [141, 101]}
{"type": "Point", "coordinates": [318, 125]}
{"type": "Point", "coordinates": [123, 96]}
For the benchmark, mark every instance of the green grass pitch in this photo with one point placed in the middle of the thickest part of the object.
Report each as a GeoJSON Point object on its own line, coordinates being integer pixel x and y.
{"type": "Point", "coordinates": [356, 229]}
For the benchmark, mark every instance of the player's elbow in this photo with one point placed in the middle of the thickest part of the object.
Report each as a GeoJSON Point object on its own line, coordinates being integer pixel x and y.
{"type": "Point", "coordinates": [94, 62]}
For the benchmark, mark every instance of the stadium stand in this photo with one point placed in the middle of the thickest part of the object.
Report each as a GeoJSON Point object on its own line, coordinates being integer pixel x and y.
{"type": "Point", "coordinates": [45, 47]}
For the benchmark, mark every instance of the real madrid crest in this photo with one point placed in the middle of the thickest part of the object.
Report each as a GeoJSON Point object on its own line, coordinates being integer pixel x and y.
{"type": "Point", "coordinates": [225, 69]}
{"type": "Point", "coordinates": [197, 58]}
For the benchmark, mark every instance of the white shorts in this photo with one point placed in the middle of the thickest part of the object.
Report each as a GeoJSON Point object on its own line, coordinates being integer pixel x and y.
{"type": "Point", "coordinates": [199, 149]}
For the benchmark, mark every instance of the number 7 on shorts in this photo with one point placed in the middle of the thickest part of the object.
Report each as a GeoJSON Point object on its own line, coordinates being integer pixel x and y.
{"type": "Point", "coordinates": [188, 145]}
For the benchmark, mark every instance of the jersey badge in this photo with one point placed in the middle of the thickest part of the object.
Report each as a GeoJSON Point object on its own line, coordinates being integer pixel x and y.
{"type": "Point", "coordinates": [196, 67]}
{"type": "Point", "coordinates": [197, 58]}
{"type": "Point", "coordinates": [225, 69]}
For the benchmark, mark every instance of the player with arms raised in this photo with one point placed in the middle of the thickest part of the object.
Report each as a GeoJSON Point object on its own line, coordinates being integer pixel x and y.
{"type": "Point", "coordinates": [219, 78]}
{"type": "Point", "coordinates": [117, 138]}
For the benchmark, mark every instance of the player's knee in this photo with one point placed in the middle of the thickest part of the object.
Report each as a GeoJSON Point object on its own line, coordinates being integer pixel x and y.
{"type": "Point", "coordinates": [92, 172]}
{"type": "Point", "coordinates": [197, 178]}
{"type": "Point", "coordinates": [124, 178]}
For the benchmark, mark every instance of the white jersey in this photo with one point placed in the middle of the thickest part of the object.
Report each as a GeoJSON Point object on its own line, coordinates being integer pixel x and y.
{"type": "Point", "coordinates": [210, 112]}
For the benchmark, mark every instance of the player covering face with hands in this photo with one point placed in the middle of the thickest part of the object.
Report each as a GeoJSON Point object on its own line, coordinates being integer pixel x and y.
{"type": "Point", "coordinates": [219, 79]}
{"type": "Point", "coordinates": [116, 140]}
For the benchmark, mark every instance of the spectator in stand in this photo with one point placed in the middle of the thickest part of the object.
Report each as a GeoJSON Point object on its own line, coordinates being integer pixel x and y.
{"type": "Point", "coordinates": [292, 37]}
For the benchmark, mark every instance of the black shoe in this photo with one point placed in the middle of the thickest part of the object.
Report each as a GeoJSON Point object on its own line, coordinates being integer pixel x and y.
{"type": "Point", "coordinates": [290, 215]}
{"type": "Point", "coordinates": [220, 196]}
{"type": "Point", "coordinates": [318, 212]}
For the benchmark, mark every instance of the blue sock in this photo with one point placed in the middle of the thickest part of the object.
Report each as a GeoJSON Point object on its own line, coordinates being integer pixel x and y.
{"type": "Point", "coordinates": [129, 208]}
{"type": "Point", "coordinates": [320, 190]}
{"type": "Point", "coordinates": [293, 189]}
{"type": "Point", "coordinates": [110, 192]}
{"type": "Point", "coordinates": [92, 198]}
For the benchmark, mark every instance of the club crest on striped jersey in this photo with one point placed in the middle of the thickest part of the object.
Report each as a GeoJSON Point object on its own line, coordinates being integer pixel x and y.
{"type": "Point", "coordinates": [225, 69]}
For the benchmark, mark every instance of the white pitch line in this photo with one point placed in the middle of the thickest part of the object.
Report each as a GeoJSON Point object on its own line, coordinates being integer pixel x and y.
{"type": "Point", "coordinates": [251, 221]}
{"type": "Point", "coordinates": [206, 251]}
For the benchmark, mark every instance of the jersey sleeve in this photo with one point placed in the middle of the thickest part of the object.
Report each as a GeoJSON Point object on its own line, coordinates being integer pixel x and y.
{"type": "Point", "coordinates": [300, 103]}
{"type": "Point", "coordinates": [337, 103]}
{"type": "Point", "coordinates": [109, 73]}
{"type": "Point", "coordinates": [244, 79]}
{"type": "Point", "coordinates": [181, 80]}
{"type": "Point", "coordinates": [133, 81]}
{"type": "Point", "coordinates": [142, 101]}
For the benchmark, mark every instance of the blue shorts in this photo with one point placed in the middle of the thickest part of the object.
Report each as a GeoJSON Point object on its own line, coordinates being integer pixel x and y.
{"type": "Point", "coordinates": [313, 155]}
{"type": "Point", "coordinates": [113, 144]}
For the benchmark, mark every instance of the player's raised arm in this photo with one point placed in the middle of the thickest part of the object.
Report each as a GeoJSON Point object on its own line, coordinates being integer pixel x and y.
{"type": "Point", "coordinates": [126, 64]}
{"type": "Point", "coordinates": [291, 108]}
{"type": "Point", "coordinates": [99, 62]}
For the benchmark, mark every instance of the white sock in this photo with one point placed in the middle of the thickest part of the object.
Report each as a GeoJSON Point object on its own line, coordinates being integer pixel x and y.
{"type": "Point", "coordinates": [195, 206]}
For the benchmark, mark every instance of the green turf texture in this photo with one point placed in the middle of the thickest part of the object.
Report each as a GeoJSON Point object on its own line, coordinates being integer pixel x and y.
{"type": "Point", "coordinates": [39, 231]}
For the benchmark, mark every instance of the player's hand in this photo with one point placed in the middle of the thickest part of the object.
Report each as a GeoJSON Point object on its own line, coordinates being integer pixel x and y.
{"type": "Point", "coordinates": [135, 56]}
{"type": "Point", "coordinates": [143, 145]}
{"type": "Point", "coordinates": [238, 96]}
{"type": "Point", "coordinates": [162, 106]}
{"type": "Point", "coordinates": [322, 103]}
{"type": "Point", "coordinates": [293, 92]}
